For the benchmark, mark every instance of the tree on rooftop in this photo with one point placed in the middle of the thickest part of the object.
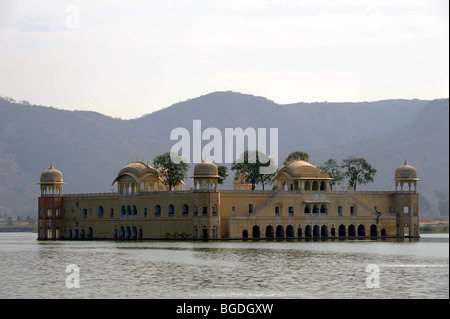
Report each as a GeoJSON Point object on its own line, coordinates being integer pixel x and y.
{"type": "Point", "coordinates": [358, 171]}
{"type": "Point", "coordinates": [172, 173]}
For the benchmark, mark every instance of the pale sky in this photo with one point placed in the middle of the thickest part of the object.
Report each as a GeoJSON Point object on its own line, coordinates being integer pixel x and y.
{"type": "Point", "coordinates": [130, 58]}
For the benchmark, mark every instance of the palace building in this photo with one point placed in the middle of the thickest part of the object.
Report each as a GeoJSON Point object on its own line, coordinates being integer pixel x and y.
{"type": "Point", "coordinates": [302, 206]}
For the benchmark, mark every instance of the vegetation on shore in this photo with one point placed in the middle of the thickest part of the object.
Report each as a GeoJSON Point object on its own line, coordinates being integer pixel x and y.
{"type": "Point", "coordinates": [19, 224]}
{"type": "Point", "coordinates": [434, 228]}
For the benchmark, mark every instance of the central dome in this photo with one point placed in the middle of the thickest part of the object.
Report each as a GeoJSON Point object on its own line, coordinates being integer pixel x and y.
{"type": "Point", "coordinates": [51, 176]}
{"type": "Point", "coordinates": [206, 169]}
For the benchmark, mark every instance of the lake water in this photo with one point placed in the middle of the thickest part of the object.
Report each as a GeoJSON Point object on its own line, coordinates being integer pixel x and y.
{"type": "Point", "coordinates": [225, 269]}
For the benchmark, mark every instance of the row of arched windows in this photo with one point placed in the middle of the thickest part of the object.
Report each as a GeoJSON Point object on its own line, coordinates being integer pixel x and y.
{"type": "Point", "coordinates": [313, 231]}
{"type": "Point", "coordinates": [303, 185]}
{"type": "Point", "coordinates": [131, 211]}
{"type": "Point", "coordinates": [316, 209]}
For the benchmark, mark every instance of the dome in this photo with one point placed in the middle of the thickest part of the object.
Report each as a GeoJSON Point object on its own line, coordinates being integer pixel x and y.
{"type": "Point", "coordinates": [137, 170]}
{"type": "Point", "coordinates": [51, 176]}
{"type": "Point", "coordinates": [406, 172]}
{"type": "Point", "coordinates": [206, 169]}
{"type": "Point", "coordinates": [297, 167]}
{"type": "Point", "coordinates": [301, 169]}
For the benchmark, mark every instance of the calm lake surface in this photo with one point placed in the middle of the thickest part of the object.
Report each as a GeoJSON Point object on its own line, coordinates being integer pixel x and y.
{"type": "Point", "coordinates": [225, 269]}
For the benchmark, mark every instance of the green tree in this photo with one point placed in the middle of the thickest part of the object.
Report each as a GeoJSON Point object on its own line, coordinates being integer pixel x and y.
{"type": "Point", "coordinates": [222, 171]}
{"type": "Point", "coordinates": [358, 171]}
{"type": "Point", "coordinates": [173, 173]}
{"type": "Point", "coordinates": [297, 155]}
{"type": "Point", "coordinates": [333, 169]}
{"type": "Point", "coordinates": [252, 164]}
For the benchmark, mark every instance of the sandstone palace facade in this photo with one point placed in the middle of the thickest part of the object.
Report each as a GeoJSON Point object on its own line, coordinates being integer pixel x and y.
{"type": "Point", "coordinates": [302, 206]}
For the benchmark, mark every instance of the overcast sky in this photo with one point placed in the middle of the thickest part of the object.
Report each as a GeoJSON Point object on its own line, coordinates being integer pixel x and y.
{"type": "Point", "coordinates": [130, 58]}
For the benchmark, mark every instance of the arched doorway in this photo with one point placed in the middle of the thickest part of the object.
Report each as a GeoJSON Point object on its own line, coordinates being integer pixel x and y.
{"type": "Point", "coordinates": [289, 231]}
{"type": "Point", "coordinates": [373, 230]}
{"type": "Point", "coordinates": [316, 231]}
{"type": "Point", "coordinates": [351, 231]}
{"type": "Point", "coordinates": [256, 232]}
{"type": "Point", "coordinates": [324, 231]}
{"type": "Point", "coordinates": [308, 232]}
{"type": "Point", "coordinates": [245, 233]}
{"type": "Point", "coordinates": [280, 231]}
{"type": "Point", "coordinates": [269, 231]}
{"type": "Point", "coordinates": [342, 232]}
{"type": "Point", "coordinates": [361, 231]}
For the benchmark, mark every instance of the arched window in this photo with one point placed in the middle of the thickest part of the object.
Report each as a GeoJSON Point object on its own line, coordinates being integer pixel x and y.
{"type": "Point", "coordinates": [134, 211]}
{"type": "Point", "coordinates": [128, 233]}
{"type": "Point", "coordinates": [315, 209]}
{"type": "Point", "coordinates": [307, 210]}
{"type": "Point", "coordinates": [307, 186]}
{"type": "Point", "coordinates": [134, 232]}
{"type": "Point", "coordinates": [122, 211]}
{"type": "Point", "coordinates": [100, 212]}
{"type": "Point", "coordinates": [157, 211]}
{"type": "Point", "coordinates": [323, 186]}
{"type": "Point", "coordinates": [315, 186]}
{"type": "Point", "coordinates": [128, 211]}
{"type": "Point", "coordinates": [171, 210]}
{"type": "Point", "coordinates": [323, 209]}
{"type": "Point", "coordinates": [185, 210]}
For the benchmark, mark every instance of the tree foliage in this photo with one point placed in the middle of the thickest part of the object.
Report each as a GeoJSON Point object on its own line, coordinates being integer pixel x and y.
{"type": "Point", "coordinates": [358, 171]}
{"type": "Point", "coordinates": [251, 164]}
{"type": "Point", "coordinates": [173, 173]}
{"type": "Point", "coordinates": [297, 155]}
{"type": "Point", "coordinates": [334, 170]}
{"type": "Point", "coordinates": [222, 171]}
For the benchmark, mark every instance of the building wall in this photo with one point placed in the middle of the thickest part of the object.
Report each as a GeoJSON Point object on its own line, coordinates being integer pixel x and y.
{"type": "Point", "coordinates": [227, 214]}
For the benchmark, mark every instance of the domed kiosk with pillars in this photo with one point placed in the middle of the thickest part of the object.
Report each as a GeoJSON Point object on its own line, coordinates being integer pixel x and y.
{"type": "Point", "coordinates": [406, 174]}
{"type": "Point", "coordinates": [302, 206]}
{"type": "Point", "coordinates": [51, 181]}
{"type": "Point", "coordinates": [206, 176]}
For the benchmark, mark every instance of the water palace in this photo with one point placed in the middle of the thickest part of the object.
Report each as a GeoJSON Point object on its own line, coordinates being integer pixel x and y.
{"type": "Point", "coordinates": [302, 206]}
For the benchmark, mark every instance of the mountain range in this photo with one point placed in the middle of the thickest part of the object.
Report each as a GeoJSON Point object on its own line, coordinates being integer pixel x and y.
{"type": "Point", "coordinates": [90, 148]}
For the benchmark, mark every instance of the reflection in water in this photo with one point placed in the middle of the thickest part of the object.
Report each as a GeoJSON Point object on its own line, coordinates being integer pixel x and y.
{"type": "Point", "coordinates": [228, 269]}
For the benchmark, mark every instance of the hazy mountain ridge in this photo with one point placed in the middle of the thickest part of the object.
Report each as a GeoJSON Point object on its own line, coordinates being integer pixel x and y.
{"type": "Point", "coordinates": [90, 148]}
